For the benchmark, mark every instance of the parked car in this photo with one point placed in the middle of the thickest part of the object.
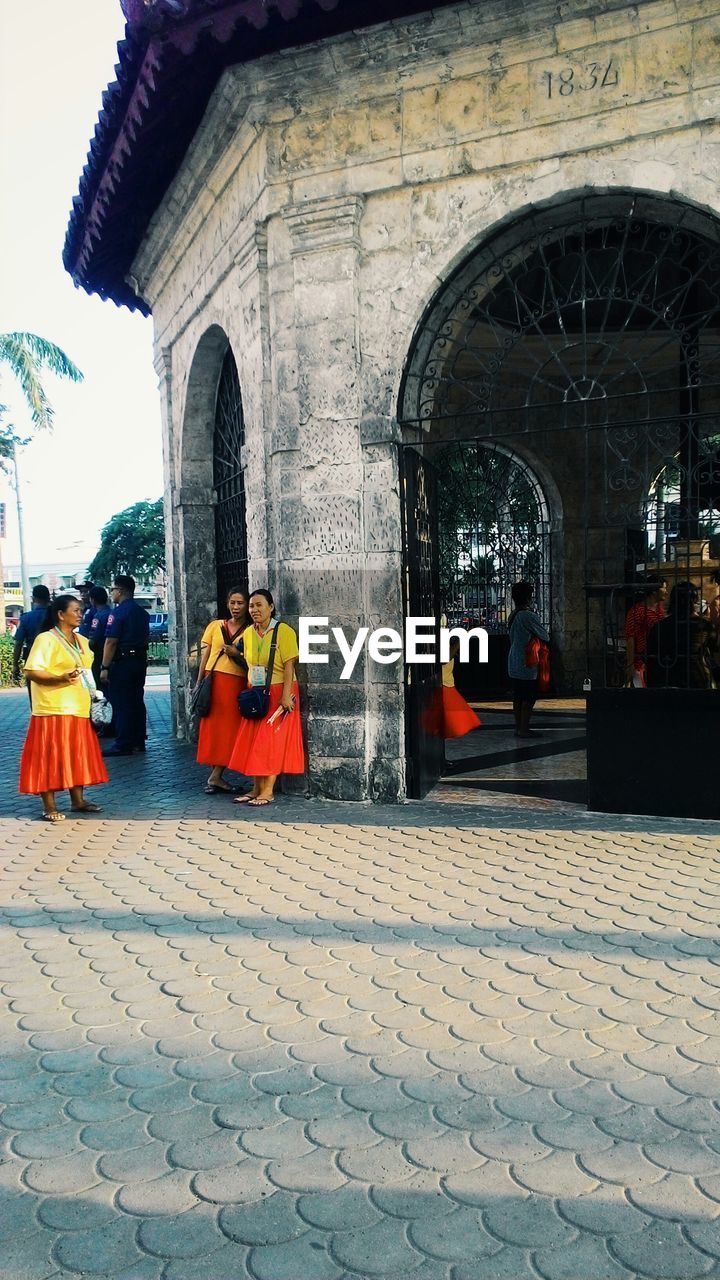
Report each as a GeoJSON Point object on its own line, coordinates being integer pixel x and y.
{"type": "Point", "coordinates": [158, 627]}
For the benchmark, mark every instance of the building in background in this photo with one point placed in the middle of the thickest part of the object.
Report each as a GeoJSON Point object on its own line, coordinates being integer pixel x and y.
{"type": "Point", "coordinates": [436, 296]}
{"type": "Point", "coordinates": [71, 576]}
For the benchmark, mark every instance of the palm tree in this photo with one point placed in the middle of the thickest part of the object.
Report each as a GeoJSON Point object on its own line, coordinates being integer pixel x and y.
{"type": "Point", "coordinates": [29, 357]}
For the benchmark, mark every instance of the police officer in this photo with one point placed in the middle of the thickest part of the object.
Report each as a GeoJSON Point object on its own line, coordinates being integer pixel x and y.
{"type": "Point", "coordinates": [94, 625]}
{"type": "Point", "coordinates": [29, 628]}
{"type": "Point", "coordinates": [124, 665]}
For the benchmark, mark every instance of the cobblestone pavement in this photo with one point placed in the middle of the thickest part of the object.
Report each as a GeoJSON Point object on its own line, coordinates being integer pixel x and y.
{"type": "Point", "coordinates": [323, 1042]}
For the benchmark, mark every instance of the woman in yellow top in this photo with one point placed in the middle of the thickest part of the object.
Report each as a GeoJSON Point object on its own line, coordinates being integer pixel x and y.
{"type": "Point", "coordinates": [222, 655]}
{"type": "Point", "coordinates": [273, 745]}
{"type": "Point", "coordinates": [61, 749]}
{"type": "Point", "coordinates": [458, 716]}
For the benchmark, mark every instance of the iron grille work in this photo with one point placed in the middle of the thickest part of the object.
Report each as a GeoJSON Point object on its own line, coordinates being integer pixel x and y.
{"type": "Point", "coordinates": [584, 340]}
{"type": "Point", "coordinates": [229, 482]}
{"type": "Point", "coordinates": [425, 749]}
{"type": "Point", "coordinates": [493, 530]}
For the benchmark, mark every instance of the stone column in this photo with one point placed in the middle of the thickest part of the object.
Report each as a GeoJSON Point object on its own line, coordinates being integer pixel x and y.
{"type": "Point", "coordinates": [163, 369]}
{"type": "Point", "coordinates": [318, 471]}
{"type": "Point", "coordinates": [252, 354]}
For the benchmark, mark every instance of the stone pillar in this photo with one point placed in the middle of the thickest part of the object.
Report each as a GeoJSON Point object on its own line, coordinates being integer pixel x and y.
{"type": "Point", "coordinates": [318, 473]}
{"type": "Point", "coordinates": [252, 354]}
{"type": "Point", "coordinates": [163, 369]}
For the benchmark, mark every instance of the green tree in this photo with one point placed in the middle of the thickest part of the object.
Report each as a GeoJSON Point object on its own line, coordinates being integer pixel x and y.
{"type": "Point", "coordinates": [29, 357]}
{"type": "Point", "coordinates": [133, 541]}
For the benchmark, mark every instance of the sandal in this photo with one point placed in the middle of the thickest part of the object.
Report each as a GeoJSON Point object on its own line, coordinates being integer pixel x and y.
{"type": "Point", "coordinates": [246, 799]}
{"type": "Point", "coordinates": [259, 802]}
{"type": "Point", "coordinates": [53, 815]}
{"type": "Point", "coordinates": [87, 807]}
{"type": "Point", "coordinates": [214, 789]}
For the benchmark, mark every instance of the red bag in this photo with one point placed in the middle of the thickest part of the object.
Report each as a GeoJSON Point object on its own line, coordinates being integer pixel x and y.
{"type": "Point", "coordinates": [537, 654]}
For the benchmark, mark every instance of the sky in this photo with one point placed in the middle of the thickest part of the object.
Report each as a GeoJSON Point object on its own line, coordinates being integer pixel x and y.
{"type": "Point", "coordinates": [105, 451]}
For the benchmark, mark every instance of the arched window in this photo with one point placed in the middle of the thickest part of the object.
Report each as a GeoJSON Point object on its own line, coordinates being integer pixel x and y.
{"type": "Point", "coordinates": [229, 482]}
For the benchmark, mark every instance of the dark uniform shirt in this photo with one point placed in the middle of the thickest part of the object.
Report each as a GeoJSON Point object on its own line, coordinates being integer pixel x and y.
{"type": "Point", "coordinates": [129, 624]}
{"type": "Point", "coordinates": [28, 628]}
{"type": "Point", "coordinates": [98, 627]}
{"type": "Point", "coordinates": [86, 623]}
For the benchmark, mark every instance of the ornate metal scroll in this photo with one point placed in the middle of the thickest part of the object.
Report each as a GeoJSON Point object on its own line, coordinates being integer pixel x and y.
{"type": "Point", "coordinates": [229, 481]}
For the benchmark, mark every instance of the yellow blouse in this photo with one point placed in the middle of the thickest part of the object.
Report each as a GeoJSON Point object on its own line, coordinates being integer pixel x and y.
{"type": "Point", "coordinates": [257, 650]}
{"type": "Point", "coordinates": [448, 674]}
{"type": "Point", "coordinates": [213, 638]}
{"type": "Point", "coordinates": [49, 655]}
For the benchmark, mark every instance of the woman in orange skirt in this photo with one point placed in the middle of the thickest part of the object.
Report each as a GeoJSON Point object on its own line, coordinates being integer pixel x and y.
{"type": "Point", "coordinates": [448, 715]}
{"type": "Point", "coordinates": [458, 717]}
{"type": "Point", "coordinates": [272, 745]}
{"type": "Point", "coordinates": [222, 655]}
{"type": "Point", "coordinates": [61, 750]}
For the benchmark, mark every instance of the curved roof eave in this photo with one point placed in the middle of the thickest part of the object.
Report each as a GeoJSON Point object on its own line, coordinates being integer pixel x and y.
{"type": "Point", "coordinates": [169, 63]}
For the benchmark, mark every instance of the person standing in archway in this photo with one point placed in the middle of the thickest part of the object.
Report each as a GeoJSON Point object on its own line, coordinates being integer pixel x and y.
{"type": "Point", "coordinates": [222, 659]}
{"type": "Point", "coordinates": [523, 625]}
{"type": "Point", "coordinates": [272, 744]}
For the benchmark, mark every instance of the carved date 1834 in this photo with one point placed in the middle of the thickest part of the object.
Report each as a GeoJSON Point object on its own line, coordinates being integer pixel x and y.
{"type": "Point", "coordinates": [594, 75]}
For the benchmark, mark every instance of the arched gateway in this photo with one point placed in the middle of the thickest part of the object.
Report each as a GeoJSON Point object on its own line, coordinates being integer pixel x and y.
{"type": "Point", "coordinates": [231, 554]}
{"type": "Point", "coordinates": [561, 407]}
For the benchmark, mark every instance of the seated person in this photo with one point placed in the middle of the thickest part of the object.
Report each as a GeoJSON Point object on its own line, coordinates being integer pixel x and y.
{"type": "Point", "coordinates": [681, 648]}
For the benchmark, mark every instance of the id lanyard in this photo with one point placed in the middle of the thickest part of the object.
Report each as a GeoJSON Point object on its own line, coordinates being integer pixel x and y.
{"type": "Point", "coordinates": [86, 676]}
{"type": "Point", "coordinates": [258, 670]}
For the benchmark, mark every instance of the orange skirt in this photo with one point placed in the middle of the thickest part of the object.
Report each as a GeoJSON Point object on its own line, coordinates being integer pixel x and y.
{"type": "Point", "coordinates": [458, 717]}
{"type": "Point", "coordinates": [60, 752]}
{"type": "Point", "coordinates": [219, 729]}
{"type": "Point", "coordinates": [262, 748]}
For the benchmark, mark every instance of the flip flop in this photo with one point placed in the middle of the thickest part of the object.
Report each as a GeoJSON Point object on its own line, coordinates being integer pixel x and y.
{"type": "Point", "coordinates": [247, 799]}
{"type": "Point", "coordinates": [54, 816]}
{"type": "Point", "coordinates": [86, 808]}
{"type": "Point", "coordinates": [259, 803]}
{"type": "Point", "coordinates": [212, 789]}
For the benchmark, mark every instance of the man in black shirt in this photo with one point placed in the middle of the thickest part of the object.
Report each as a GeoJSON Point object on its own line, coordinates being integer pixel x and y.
{"type": "Point", "coordinates": [124, 666]}
{"type": "Point", "coordinates": [29, 626]}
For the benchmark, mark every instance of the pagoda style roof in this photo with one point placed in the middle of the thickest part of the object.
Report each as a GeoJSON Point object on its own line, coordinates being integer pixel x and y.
{"type": "Point", "coordinates": [169, 63]}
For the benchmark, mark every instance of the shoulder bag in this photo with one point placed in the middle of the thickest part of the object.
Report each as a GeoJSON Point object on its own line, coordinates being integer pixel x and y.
{"type": "Point", "coordinates": [253, 704]}
{"type": "Point", "coordinates": [201, 696]}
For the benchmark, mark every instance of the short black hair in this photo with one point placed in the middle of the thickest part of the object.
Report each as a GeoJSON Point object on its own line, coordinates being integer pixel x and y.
{"type": "Point", "coordinates": [522, 594]}
{"type": "Point", "coordinates": [125, 582]}
{"type": "Point", "coordinates": [652, 583]}
{"type": "Point", "coordinates": [683, 599]}
{"type": "Point", "coordinates": [98, 595]}
{"type": "Point", "coordinates": [41, 594]}
{"type": "Point", "coordinates": [267, 595]}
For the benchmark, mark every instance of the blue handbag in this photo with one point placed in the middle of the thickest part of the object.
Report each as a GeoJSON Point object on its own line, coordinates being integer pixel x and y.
{"type": "Point", "coordinates": [253, 704]}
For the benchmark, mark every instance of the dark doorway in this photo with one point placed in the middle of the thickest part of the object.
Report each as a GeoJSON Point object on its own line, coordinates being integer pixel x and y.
{"type": "Point", "coordinates": [229, 483]}
{"type": "Point", "coordinates": [584, 339]}
{"type": "Point", "coordinates": [425, 747]}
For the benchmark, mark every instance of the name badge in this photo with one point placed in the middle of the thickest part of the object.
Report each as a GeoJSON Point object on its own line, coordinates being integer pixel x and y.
{"type": "Point", "coordinates": [257, 674]}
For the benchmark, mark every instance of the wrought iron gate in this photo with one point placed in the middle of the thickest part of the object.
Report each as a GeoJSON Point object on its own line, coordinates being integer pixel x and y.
{"type": "Point", "coordinates": [229, 482]}
{"type": "Point", "coordinates": [583, 339]}
{"type": "Point", "coordinates": [425, 747]}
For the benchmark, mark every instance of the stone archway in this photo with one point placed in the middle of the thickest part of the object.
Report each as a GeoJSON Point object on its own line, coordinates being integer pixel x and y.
{"type": "Point", "coordinates": [212, 546]}
{"type": "Point", "coordinates": [584, 336]}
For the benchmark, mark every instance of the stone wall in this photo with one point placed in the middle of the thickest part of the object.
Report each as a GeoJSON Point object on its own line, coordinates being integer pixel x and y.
{"type": "Point", "coordinates": [328, 194]}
